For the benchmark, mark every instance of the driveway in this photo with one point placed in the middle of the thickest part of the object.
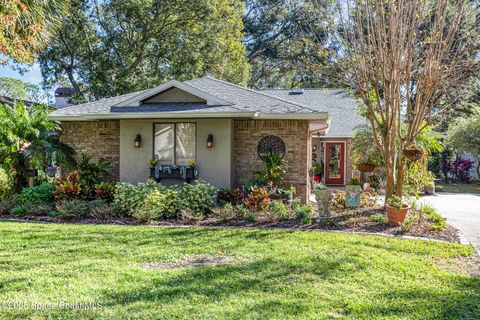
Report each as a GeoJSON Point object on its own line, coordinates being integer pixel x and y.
{"type": "Point", "coordinates": [462, 211]}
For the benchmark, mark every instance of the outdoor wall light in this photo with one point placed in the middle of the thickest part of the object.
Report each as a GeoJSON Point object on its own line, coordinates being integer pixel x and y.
{"type": "Point", "coordinates": [210, 141]}
{"type": "Point", "coordinates": [314, 148]}
{"type": "Point", "coordinates": [138, 141]}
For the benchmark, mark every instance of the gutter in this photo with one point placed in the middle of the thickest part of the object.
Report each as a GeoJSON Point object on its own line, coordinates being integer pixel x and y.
{"type": "Point", "coordinates": [203, 115]}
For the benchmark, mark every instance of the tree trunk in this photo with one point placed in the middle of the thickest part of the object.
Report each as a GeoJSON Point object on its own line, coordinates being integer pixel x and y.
{"type": "Point", "coordinates": [19, 167]}
{"type": "Point", "coordinates": [400, 174]}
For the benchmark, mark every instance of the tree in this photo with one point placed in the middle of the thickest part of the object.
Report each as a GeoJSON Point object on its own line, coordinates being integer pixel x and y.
{"type": "Point", "coordinates": [464, 136]}
{"type": "Point", "coordinates": [18, 90]}
{"type": "Point", "coordinates": [288, 43]}
{"type": "Point", "coordinates": [107, 48]}
{"type": "Point", "coordinates": [28, 140]}
{"type": "Point", "coordinates": [27, 25]}
{"type": "Point", "coordinates": [403, 56]}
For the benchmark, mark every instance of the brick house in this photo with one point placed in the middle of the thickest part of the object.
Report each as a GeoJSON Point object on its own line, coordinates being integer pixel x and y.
{"type": "Point", "coordinates": [223, 127]}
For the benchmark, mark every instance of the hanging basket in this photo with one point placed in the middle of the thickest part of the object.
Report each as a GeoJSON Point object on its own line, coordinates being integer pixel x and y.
{"type": "Point", "coordinates": [365, 167]}
{"type": "Point", "coordinates": [413, 153]}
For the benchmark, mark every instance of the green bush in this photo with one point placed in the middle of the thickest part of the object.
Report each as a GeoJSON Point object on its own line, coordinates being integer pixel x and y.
{"type": "Point", "coordinates": [198, 197]}
{"type": "Point", "coordinates": [188, 215]}
{"type": "Point", "coordinates": [438, 222]}
{"type": "Point", "coordinates": [279, 209]}
{"type": "Point", "coordinates": [225, 213]}
{"type": "Point", "coordinates": [100, 209]}
{"type": "Point", "coordinates": [5, 183]}
{"type": "Point", "coordinates": [250, 217]}
{"type": "Point", "coordinates": [303, 212]}
{"type": "Point", "coordinates": [33, 196]}
{"type": "Point", "coordinates": [105, 191]}
{"type": "Point", "coordinates": [129, 197]}
{"type": "Point", "coordinates": [157, 204]}
{"type": "Point", "coordinates": [19, 210]}
{"type": "Point", "coordinates": [6, 204]}
{"type": "Point", "coordinates": [72, 209]}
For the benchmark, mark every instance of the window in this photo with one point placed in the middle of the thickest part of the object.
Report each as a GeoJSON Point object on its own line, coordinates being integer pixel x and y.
{"type": "Point", "coordinates": [174, 143]}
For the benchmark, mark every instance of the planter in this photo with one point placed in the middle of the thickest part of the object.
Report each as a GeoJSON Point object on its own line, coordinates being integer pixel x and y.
{"type": "Point", "coordinates": [324, 201]}
{"type": "Point", "coordinates": [365, 167]}
{"type": "Point", "coordinates": [185, 173]}
{"type": "Point", "coordinates": [317, 178]}
{"type": "Point", "coordinates": [429, 190]}
{"type": "Point", "coordinates": [396, 216]}
{"type": "Point", "coordinates": [413, 153]}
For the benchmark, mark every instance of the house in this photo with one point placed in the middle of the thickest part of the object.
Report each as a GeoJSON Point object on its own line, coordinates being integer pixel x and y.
{"type": "Point", "coordinates": [223, 127]}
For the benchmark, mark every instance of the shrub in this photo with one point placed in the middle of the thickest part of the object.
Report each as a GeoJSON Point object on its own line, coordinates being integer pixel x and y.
{"type": "Point", "coordinates": [257, 199]}
{"type": "Point", "coordinates": [6, 204]}
{"type": "Point", "coordinates": [19, 210]}
{"type": "Point", "coordinates": [406, 225]}
{"type": "Point", "coordinates": [5, 183]}
{"type": "Point", "coordinates": [39, 209]}
{"type": "Point", "coordinates": [303, 212]}
{"type": "Point", "coordinates": [70, 188]}
{"type": "Point", "coordinates": [89, 172]}
{"type": "Point", "coordinates": [72, 209]}
{"type": "Point", "coordinates": [129, 197]}
{"type": "Point", "coordinates": [379, 219]}
{"type": "Point", "coordinates": [225, 213]}
{"type": "Point", "coordinates": [37, 195]}
{"type": "Point", "coordinates": [250, 217]}
{"type": "Point", "coordinates": [198, 197]}
{"type": "Point", "coordinates": [241, 211]}
{"type": "Point", "coordinates": [395, 202]}
{"type": "Point", "coordinates": [438, 222]}
{"type": "Point", "coordinates": [188, 215]}
{"type": "Point", "coordinates": [278, 209]}
{"type": "Point", "coordinates": [232, 196]}
{"type": "Point", "coordinates": [105, 191]}
{"type": "Point", "coordinates": [157, 204]}
{"type": "Point", "coordinates": [295, 204]}
{"type": "Point", "coordinates": [100, 209]}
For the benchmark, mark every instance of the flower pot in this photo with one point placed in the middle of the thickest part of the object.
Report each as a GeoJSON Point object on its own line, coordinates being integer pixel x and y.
{"type": "Point", "coordinates": [365, 167]}
{"type": "Point", "coordinates": [413, 153]}
{"type": "Point", "coordinates": [396, 216]}
{"type": "Point", "coordinates": [324, 201]}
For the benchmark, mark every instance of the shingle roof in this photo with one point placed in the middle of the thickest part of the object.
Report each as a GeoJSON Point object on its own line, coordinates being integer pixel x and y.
{"type": "Point", "coordinates": [237, 100]}
{"type": "Point", "coordinates": [337, 102]}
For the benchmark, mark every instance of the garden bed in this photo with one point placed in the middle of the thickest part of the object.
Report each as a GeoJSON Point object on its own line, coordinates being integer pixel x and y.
{"type": "Point", "coordinates": [362, 220]}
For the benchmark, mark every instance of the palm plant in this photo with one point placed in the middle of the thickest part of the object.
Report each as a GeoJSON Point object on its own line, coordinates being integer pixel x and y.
{"type": "Point", "coordinates": [274, 171]}
{"type": "Point", "coordinates": [28, 140]}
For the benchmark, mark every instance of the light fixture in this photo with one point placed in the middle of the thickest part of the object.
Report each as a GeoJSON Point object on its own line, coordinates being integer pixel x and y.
{"type": "Point", "coordinates": [314, 148]}
{"type": "Point", "coordinates": [138, 141]}
{"type": "Point", "coordinates": [210, 141]}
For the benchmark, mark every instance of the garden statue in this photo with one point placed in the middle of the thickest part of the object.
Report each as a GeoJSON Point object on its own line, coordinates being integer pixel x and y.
{"type": "Point", "coordinates": [324, 199]}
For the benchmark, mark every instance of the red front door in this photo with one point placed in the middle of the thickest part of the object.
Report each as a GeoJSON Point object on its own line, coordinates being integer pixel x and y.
{"type": "Point", "coordinates": [335, 163]}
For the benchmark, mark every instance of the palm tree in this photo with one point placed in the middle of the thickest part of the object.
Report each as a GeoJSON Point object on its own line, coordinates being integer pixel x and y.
{"type": "Point", "coordinates": [28, 140]}
{"type": "Point", "coordinates": [27, 25]}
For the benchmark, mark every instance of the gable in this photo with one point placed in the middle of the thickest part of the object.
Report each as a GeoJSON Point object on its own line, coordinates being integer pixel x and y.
{"type": "Point", "coordinates": [174, 95]}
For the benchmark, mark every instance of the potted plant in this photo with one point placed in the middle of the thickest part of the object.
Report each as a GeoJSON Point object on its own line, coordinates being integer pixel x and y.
{"type": "Point", "coordinates": [290, 192]}
{"type": "Point", "coordinates": [317, 171]}
{"type": "Point", "coordinates": [324, 199]}
{"type": "Point", "coordinates": [397, 210]}
{"type": "Point", "coordinates": [429, 188]}
{"type": "Point", "coordinates": [365, 154]}
{"type": "Point", "coordinates": [413, 152]}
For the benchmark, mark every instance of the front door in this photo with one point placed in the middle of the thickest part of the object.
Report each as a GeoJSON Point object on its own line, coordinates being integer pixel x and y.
{"type": "Point", "coordinates": [335, 163]}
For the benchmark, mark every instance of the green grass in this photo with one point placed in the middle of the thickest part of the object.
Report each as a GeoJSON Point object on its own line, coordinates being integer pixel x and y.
{"type": "Point", "coordinates": [283, 274]}
{"type": "Point", "coordinates": [456, 187]}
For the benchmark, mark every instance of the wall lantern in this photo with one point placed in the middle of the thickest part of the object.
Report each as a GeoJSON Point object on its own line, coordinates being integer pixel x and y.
{"type": "Point", "coordinates": [138, 141]}
{"type": "Point", "coordinates": [210, 141]}
{"type": "Point", "coordinates": [314, 148]}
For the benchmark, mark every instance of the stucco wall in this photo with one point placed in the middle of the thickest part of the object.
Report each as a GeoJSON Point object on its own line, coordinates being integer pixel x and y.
{"type": "Point", "coordinates": [295, 135]}
{"type": "Point", "coordinates": [98, 139]}
{"type": "Point", "coordinates": [214, 164]}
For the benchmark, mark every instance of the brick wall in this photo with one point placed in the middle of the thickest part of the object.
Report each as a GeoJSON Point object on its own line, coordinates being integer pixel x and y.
{"type": "Point", "coordinates": [294, 133]}
{"type": "Point", "coordinates": [98, 139]}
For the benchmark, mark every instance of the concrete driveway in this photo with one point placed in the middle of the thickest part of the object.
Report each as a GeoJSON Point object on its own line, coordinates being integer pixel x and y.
{"type": "Point", "coordinates": [461, 211]}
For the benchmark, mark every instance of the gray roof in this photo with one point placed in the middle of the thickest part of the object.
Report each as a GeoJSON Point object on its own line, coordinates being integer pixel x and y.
{"type": "Point", "coordinates": [338, 103]}
{"type": "Point", "coordinates": [235, 100]}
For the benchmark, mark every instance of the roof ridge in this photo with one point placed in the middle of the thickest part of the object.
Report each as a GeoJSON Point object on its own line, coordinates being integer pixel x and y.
{"type": "Point", "coordinates": [262, 93]}
{"type": "Point", "coordinates": [292, 89]}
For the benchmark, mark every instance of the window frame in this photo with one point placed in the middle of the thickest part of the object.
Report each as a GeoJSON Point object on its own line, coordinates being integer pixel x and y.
{"type": "Point", "coordinates": [174, 139]}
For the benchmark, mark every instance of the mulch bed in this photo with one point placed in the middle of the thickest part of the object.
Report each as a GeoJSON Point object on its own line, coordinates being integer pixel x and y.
{"type": "Point", "coordinates": [365, 220]}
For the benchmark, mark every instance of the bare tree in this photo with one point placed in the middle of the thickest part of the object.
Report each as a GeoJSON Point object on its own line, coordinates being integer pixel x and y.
{"type": "Point", "coordinates": [403, 56]}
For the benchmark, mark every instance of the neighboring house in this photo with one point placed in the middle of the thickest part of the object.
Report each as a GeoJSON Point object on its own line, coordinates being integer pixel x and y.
{"type": "Point", "coordinates": [217, 124]}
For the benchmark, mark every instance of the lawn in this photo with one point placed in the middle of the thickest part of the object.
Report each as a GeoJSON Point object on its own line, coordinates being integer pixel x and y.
{"type": "Point", "coordinates": [456, 187]}
{"type": "Point", "coordinates": [275, 274]}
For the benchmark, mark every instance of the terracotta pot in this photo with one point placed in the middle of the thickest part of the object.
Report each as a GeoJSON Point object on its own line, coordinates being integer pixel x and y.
{"type": "Point", "coordinates": [365, 167]}
{"type": "Point", "coordinates": [396, 216]}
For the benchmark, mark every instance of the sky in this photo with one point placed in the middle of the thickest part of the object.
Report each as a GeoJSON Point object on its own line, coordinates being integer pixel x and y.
{"type": "Point", "coordinates": [33, 74]}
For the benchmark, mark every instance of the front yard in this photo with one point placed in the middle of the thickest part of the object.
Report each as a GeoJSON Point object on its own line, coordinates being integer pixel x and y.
{"type": "Point", "coordinates": [138, 271]}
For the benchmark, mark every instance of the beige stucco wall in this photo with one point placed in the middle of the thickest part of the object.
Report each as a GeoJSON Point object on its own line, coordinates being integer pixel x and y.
{"type": "Point", "coordinates": [214, 164]}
